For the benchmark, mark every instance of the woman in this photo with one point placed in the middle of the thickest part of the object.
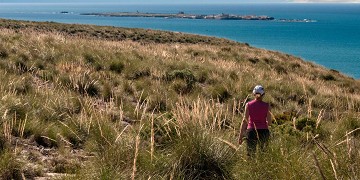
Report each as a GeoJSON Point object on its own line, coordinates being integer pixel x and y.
{"type": "Point", "coordinates": [255, 124]}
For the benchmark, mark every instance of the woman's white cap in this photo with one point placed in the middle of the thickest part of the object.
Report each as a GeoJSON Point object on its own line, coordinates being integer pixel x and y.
{"type": "Point", "coordinates": [259, 90]}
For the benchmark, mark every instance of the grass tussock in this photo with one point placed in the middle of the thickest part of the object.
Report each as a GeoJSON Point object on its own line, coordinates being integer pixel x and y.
{"type": "Point", "coordinates": [144, 104]}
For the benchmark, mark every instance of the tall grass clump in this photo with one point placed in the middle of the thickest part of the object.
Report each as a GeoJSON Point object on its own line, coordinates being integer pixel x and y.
{"type": "Point", "coordinates": [283, 159]}
{"type": "Point", "coordinates": [10, 168]}
{"type": "Point", "coordinates": [3, 53]}
{"type": "Point", "coordinates": [116, 66]}
{"type": "Point", "coordinates": [188, 80]}
{"type": "Point", "coordinates": [200, 155]}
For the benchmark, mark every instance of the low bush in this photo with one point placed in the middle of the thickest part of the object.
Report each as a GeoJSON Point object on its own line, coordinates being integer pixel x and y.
{"type": "Point", "coordinates": [181, 87]}
{"type": "Point", "coordinates": [185, 75]}
{"type": "Point", "coordinates": [328, 77]}
{"type": "Point", "coordinates": [20, 66]}
{"type": "Point", "coordinates": [253, 60]}
{"type": "Point", "coordinates": [280, 69]}
{"type": "Point", "coordinates": [89, 58]}
{"type": "Point", "coordinates": [138, 73]}
{"type": "Point", "coordinates": [305, 124]}
{"type": "Point", "coordinates": [17, 110]}
{"type": "Point", "coordinates": [116, 66]}
{"type": "Point", "coordinates": [87, 87]}
{"type": "Point", "coordinates": [284, 117]}
{"type": "Point", "coordinates": [202, 76]}
{"type": "Point", "coordinates": [347, 125]}
{"type": "Point", "coordinates": [10, 168]}
{"type": "Point", "coordinates": [22, 86]}
{"type": "Point", "coordinates": [199, 155]}
{"type": "Point", "coordinates": [65, 166]}
{"type": "Point", "coordinates": [3, 143]}
{"type": "Point", "coordinates": [158, 104]}
{"type": "Point", "coordinates": [221, 93]}
{"type": "Point", "coordinates": [3, 53]}
{"type": "Point", "coordinates": [107, 92]}
{"type": "Point", "coordinates": [46, 138]}
{"type": "Point", "coordinates": [48, 75]}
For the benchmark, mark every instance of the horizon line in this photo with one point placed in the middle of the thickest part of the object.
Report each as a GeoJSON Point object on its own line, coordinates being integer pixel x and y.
{"type": "Point", "coordinates": [124, 3]}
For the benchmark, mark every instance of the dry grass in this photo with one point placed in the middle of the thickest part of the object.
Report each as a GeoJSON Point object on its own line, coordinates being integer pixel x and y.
{"type": "Point", "coordinates": [147, 102]}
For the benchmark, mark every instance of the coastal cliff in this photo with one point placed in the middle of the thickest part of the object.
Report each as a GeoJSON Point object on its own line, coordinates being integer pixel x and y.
{"type": "Point", "coordinates": [98, 102]}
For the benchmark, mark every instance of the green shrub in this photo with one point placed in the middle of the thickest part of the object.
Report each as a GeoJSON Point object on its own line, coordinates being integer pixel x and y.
{"type": "Point", "coordinates": [46, 138]}
{"type": "Point", "coordinates": [3, 143]}
{"type": "Point", "coordinates": [138, 73]}
{"type": "Point", "coordinates": [128, 87]}
{"type": "Point", "coordinates": [65, 166]}
{"type": "Point", "coordinates": [53, 113]}
{"type": "Point", "coordinates": [23, 86]}
{"type": "Point", "coordinates": [89, 58]}
{"type": "Point", "coordinates": [165, 132]}
{"type": "Point", "coordinates": [221, 93]}
{"type": "Point", "coordinates": [305, 124]}
{"type": "Point", "coordinates": [268, 61]}
{"type": "Point", "coordinates": [112, 158]}
{"type": "Point", "coordinates": [287, 129]}
{"type": "Point", "coordinates": [233, 76]}
{"type": "Point", "coordinates": [116, 66]}
{"type": "Point", "coordinates": [280, 69]}
{"type": "Point", "coordinates": [40, 65]}
{"type": "Point", "coordinates": [295, 66]}
{"type": "Point", "coordinates": [17, 110]}
{"type": "Point", "coordinates": [65, 81]}
{"type": "Point", "coordinates": [158, 104]}
{"type": "Point", "coordinates": [10, 168]}
{"type": "Point", "coordinates": [200, 155]}
{"type": "Point", "coordinates": [253, 60]}
{"type": "Point", "coordinates": [328, 77]}
{"type": "Point", "coordinates": [226, 49]}
{"type": "Point", "coordinates": [186, 75]}
{"type": "Point", "coordinates": [107, 92]}
{"type": "Point", "coordinates": [86, 87]}
{"type": "Point", "coordinates": [47, 75]}
{"type": "Point", "coordinates": [284, 117]}
{"type": "Point", "coordinates": [3, 53]}
{"type": "Point", "coordinates": [76, 136]}
{"type": "Point", "coordinates": [21, 66]}
{"type": "Point", "coordinates": [202, 76]}
{"type": "Point", "coordinates": [181, 87]}
{"type": "Point", "coordinates": [347, 125]}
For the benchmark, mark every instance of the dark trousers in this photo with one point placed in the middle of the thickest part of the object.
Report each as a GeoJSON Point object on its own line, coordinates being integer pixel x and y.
{"type": "Point", "coordinates": [255, 137]}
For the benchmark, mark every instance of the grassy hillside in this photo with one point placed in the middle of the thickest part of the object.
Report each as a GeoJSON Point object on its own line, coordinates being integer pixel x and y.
{"type": "Point", "coordinates": [89, 102]}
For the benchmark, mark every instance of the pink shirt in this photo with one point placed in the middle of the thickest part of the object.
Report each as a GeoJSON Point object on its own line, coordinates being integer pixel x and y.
{"type": "Point", "coordinates": [258, 111]}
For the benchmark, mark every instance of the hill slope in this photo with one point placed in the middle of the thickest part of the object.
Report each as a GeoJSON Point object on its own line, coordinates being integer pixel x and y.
{"type": "Point", "coordinates": [106, 102]}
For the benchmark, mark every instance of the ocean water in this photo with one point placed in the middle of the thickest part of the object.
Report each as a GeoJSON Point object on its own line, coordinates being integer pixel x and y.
{"type": "Point", "coordinates": [332, 41]}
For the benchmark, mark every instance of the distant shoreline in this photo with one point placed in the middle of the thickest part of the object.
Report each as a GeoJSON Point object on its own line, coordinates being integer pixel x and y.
{"type": "Point", "coordinates": [182, 15]}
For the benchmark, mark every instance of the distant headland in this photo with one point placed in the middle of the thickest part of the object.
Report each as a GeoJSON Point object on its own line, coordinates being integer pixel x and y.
{"type": "Point", "coordinates": [183, 16]}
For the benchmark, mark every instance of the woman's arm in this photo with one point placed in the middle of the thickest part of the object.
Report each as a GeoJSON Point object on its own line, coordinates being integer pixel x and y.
{"type": "Point", "coordinates": [244, 124]}
{"type": "Point", "coordinates": [268, 117]}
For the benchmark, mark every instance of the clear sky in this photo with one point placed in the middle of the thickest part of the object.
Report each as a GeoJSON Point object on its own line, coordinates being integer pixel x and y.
{"type": "Point", "coordinates": [177, 1]}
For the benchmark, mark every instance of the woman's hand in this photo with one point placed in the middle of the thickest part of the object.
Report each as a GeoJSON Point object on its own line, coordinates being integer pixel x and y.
{"type": "Point", "coordinates": [241, 139]}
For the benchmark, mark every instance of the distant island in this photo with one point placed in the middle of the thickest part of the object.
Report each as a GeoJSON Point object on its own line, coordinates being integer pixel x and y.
{"type": "Point", "coordinates": [183, 16]}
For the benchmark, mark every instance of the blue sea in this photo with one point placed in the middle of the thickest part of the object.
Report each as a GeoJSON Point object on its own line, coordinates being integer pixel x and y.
{"type": "Point", "coordinates": [333, 41]}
